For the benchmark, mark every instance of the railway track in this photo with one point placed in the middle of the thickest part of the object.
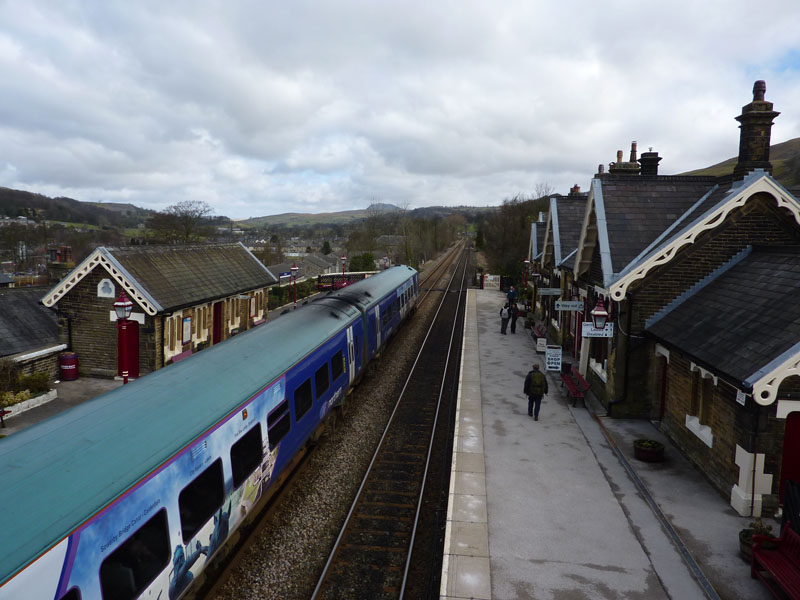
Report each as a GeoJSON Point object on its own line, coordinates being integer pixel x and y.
{"type": "Point", "coordinates": [229, 567]}
{"type": "Point", "coordinates": [374, 554]}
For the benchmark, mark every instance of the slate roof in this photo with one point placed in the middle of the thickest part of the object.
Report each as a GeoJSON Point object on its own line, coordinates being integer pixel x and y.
{"type": "Point", "coordinates": [286, 267]}
{"type": "Point", "coordinates": [639, 209]}
{"type": "Point", "coordinates": [570, 211]}
{"type": "Point", "coordinates": [25, 324]}
{"type": "Point", "coordinates": [177, 276]}
{"type": "Point", "coordinates": [743, 318]}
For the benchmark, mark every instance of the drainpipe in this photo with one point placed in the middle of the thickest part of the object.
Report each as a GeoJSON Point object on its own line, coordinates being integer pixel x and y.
{"type": "Point", "coordinates": [628, 343]}
{"type": "Point", "coordinates": [753, 437]}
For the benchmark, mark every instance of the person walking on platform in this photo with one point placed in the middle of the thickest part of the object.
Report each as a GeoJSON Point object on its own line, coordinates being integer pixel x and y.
{"type": "Point", "coordinates": [504, 314]}
{"type": "Point", "coordinates": [535, 388]}
{"type": "Point", "coordinates": [513, 313]}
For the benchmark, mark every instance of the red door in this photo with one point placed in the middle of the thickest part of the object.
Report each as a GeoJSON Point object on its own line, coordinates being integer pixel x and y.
{"type": "Point", "coordinates": [129, 354]}
{"type": "Point", "coordinates": [790, 467]}
{"type": "Point", "coordinates": [217, 333]}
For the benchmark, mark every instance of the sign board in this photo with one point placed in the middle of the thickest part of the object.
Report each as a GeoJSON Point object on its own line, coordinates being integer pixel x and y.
{"type": "Point", "coordinates": [741, 397]}
{"type": "Point", "coordinates": [286, 274]}
{"type": "Point", "coordinates": [549, 291]}
{"type": "Point", "coordinates": [569, 304]}
{"type": "Point", "coordinates": [552, 358]}
{"type": "Point", "coordinates": [590, 332]}
{"type": "Point", "coordinates": [541, 344]}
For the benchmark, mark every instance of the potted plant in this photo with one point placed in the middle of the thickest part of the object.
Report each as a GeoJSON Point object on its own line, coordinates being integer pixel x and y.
{"type": "Point", "coordinates": [756, 527]}
{"type": "Point", "coordinates": [648, 450]}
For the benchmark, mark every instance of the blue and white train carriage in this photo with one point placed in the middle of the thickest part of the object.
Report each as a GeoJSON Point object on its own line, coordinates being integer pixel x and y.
{"type": "Point", "coordinates": [130, 494]}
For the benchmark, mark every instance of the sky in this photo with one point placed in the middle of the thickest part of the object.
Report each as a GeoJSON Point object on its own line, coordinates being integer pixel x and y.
{"type": "Point", "coordinates": [266, 107]}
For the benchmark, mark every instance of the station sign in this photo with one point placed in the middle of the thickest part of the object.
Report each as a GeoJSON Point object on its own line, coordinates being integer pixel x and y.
{"type": "Point", "coordinates": [552, 358]}
{"type": "Point", "coordinates": [569, 304]}
{"type": "Point", "coordinates": [588, 330]}
{"type": "Point", "coordinates": [549, 291]}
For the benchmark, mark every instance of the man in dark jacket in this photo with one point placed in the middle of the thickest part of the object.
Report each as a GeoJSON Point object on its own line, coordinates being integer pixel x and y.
{"type": "Point", "coordinates": [535, 388]}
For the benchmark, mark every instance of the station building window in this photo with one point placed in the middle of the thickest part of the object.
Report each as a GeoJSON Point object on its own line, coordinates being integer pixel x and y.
{"type": "Point", "coordinates": [337, 365]}
{"type": "Point", "coordinates": [137, 562]}
{"type": "Point", "coordinates": [199, 500]}
{"type": "Point", "coordinates": [246, 453]}
{"type": "Point", "coordinates": [303, 399]}
{"type": "Point", "coordinates": [322, 380]}
{"type": "Point", "coordinates": [278, 423]}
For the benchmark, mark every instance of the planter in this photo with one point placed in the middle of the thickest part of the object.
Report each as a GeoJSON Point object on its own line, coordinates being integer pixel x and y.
{"type": "Point", "coordinates": [648, 450]}
{"type": "Point", "coordinates": [746, 544]}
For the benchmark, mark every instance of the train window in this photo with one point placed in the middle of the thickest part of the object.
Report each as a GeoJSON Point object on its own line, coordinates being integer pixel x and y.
{"type": "Point", "coordinates": [303, 399]}
{"type": "Point", "coordinates": [73, 594]}
{"type": "Point", "coordinates": [321, 380]}
{"type": "Point", "coordinates": [246, 453]}
{"type": "Point", "coordinates": [337, 365]}
{"type": "Point", "coordinates": [137, 562]}
{"type": "Point", "coordinates": [278, 423]}
{"type": "Point", "coordinates": [199, 500]}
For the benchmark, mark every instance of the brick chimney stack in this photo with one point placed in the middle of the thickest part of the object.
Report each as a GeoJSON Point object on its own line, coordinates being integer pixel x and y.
{"type": "Point", "coordinates": [633, 152]}
{"type": "Point", "coordinates": [756, 125]}
{"type": "Point", "coordinates": [625, 168]}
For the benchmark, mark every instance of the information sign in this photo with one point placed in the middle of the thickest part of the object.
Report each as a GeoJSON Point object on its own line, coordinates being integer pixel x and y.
{"type": "Point", "coordinates": [569, 304]}
{"type": "Point", "coordinates": [549, 291]}
{"type": "Point", "coordinates": [590, 332]}
{"type": "Point", "coordinates": [552, 359]}
{"type": "Point", "coordinates": [541, 344]}
{"type": "Point", "coordinates": [741, 397]}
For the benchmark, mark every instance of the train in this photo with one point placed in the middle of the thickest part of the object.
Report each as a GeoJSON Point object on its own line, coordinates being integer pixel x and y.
{"type": "Point", "coordinates": [130, 494]}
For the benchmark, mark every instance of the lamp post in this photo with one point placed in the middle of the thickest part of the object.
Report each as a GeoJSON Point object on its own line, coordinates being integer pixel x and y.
{"type": "Point", "coordinates": [599, 315]}
{"type": "Point", "coordinates": [344, 258]}
{"type": "Point", "coordinates": [525, 273]}
{"type": "Point", "coordinates": [294, 270]}
{"type": "Point", "coordinates": [123, 307]}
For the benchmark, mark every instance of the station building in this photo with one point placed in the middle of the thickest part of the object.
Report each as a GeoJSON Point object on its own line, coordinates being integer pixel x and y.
{"type": "Point", "coordinates": [699, 276]}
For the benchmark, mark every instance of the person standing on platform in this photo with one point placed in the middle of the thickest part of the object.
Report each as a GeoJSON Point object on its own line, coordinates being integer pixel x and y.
{"type": "Point", "coordinates": [504, 314]}
{"type": "Point", "coordinates": [535, 388]}
{"type": "Point", "coordinates": [513, 313]}
{"type": "Point", "coordinates": [512, 296]}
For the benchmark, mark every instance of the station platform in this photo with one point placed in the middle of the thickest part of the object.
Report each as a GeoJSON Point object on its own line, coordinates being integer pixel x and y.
{"type": "Point", "coordinates": [558, 508]}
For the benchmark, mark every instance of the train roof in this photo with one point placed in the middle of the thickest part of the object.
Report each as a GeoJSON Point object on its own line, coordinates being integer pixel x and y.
{"type": "Point", "coordinates": [366, 293]}
{"type": "Point", "coordinates": [56, 474]}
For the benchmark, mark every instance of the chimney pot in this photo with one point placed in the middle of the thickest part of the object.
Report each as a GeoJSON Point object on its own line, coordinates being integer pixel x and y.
{"type": "Point", "coordinates": [633, 151]}
{"type": "Point", "coordinates": [759, 89]}
{"type": "Point", "coordinates": [601, 168]}
{"type": "Point", "coordinates": [619, 156]}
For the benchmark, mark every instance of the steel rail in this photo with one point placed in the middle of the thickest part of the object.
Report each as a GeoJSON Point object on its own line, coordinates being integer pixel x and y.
{"type": "Point", "coordinates": [375, 455]}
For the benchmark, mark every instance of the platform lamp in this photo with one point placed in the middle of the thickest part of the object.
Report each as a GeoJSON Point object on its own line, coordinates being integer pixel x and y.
{"type": "Point", "coordinates": [599, 315]}
{"type": "Point", "coordinates": [123, 307]}
{"type": "Point", "coordinates": [344, 258]}
{"type": "Point", "coordinates": [294, 270]}
{"type": "Point", "coordinates": [525, 273]}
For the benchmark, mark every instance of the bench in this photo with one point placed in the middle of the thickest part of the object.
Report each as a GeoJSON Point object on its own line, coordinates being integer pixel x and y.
{"type": "Point", "coordinates": [538, 333]}
{"type": "Point", "coordinates": [576, 385]}
{"type": "Point", "coordinates": [779, 563]}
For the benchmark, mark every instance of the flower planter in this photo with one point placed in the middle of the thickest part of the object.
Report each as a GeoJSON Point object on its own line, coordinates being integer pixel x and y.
{"type": "Point", "coordinates": [648, 450]}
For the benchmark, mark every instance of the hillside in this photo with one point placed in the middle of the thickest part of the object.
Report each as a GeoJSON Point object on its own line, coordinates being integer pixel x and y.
{"type": "Point", "coordinates": [19, 203]}
{"type": "Point", "coordinates": [785, 159]}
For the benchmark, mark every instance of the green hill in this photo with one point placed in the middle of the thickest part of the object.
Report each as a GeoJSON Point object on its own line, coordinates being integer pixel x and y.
{"type": "Point", "coordinates": [785, 159]}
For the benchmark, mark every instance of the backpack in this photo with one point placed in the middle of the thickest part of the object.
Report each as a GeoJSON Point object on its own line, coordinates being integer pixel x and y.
{"type": "Point", "coordinates": [504, 313]}
{"type": "Point", "coordinates": [535, 385]}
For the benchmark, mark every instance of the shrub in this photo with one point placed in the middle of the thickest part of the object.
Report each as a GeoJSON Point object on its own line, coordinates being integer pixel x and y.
{"type": "Point", "coordinates": [9, 375]}
{"type": "Point", "coordinates": [36, 383]}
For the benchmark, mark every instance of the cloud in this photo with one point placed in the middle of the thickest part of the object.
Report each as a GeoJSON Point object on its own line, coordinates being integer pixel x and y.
{"type": "Point", "coordinates": [260, 108]}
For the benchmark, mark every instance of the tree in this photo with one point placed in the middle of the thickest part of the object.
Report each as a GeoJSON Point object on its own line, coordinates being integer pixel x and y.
{"type": "Point", "coordinates": [184, 222]}
{"type": "Point", "coordinates": [326, 248]}
{"type": "Point", "coordinates": [362, 262]}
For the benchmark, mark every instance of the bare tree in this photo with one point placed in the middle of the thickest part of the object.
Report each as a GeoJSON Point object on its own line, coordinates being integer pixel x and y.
{"type": "Point", "coordinates": [182, 222]}
{"type": "Point", "coordinates": [542, 190]}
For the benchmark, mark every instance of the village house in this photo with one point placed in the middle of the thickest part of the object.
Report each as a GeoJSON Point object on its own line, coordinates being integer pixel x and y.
{"type": "Point", "coordinates": [185, 298]}
{"type": "Point", "coordinates": [699, 276]}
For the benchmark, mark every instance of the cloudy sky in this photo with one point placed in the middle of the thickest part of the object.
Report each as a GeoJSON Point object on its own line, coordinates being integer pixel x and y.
{"type": "Point", "coordinates": [264, 107]}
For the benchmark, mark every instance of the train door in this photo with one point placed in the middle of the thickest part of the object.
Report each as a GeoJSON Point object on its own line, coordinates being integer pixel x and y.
{"type": "Point", "coordinates": [351, 354]}
{"type": "Point", "coordinates": [790, 466]}
{"type": "Point", "coordinates": [377, 328]}
{"type": "Point", "coordinates": [217, 333]}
